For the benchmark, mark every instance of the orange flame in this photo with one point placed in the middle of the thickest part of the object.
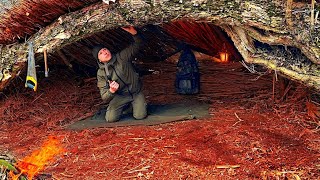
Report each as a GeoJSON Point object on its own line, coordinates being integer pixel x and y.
{"type": "Point", "coordinates": [32, 165]}
{"type": "Point", "coordinates": [224, 57]}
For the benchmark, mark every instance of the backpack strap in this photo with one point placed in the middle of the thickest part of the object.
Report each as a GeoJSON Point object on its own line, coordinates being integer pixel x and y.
{"type": "Point", "coordinates": [108, 77]}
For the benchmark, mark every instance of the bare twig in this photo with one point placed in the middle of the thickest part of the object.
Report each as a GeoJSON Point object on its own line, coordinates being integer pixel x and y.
{"type": "Point", "coordinates": [227, 166]}
{"type": "Point", "coordinates": [240, 120]}
{"type": "Point", "coordinates": [141, 169]}
{"type": "Point", "coordinates": [316, 18]}
{"type": "Point", "coordinates": [37, 98]}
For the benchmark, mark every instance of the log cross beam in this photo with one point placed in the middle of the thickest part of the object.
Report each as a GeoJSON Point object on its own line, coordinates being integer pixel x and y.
{"type": "Point", "coordinates": [243, 21]}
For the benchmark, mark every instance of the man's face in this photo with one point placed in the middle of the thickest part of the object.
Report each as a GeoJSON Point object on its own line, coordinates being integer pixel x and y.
{"type": "Point", "coordinates": [104, 55]}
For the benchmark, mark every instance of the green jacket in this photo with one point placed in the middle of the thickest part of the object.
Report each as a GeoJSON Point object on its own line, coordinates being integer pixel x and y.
{"type": "Point", "coordinates": [122, 71]}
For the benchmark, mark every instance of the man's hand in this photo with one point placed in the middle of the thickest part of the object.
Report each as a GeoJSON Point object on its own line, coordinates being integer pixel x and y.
{"type": "Point", "coordinates": [130, 29]}
{"type": "Point", "coordinates": [108, 1]}
{"type": "Point", "coordinates": [114, 86]}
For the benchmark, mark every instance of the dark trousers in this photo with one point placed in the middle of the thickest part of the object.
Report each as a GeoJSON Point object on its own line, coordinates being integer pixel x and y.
{"type": "Point", "coordinates": [118, 104]}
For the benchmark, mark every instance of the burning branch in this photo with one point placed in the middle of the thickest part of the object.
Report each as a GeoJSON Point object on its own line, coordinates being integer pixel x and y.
{"type": "Point", "coordinates": [33, 164]}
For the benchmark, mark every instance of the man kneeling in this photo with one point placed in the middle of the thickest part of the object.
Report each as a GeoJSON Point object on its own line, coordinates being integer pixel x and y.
{"type": "Point", "coordinates": [118, 82]}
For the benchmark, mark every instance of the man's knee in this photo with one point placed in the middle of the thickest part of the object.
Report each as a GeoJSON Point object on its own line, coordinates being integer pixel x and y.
{"type": "Point", "coordinates": [140, 114]}
{"type": "Point", "coordinates": [139, 107]}
{"type": "Point", "coordinates": [112, 116]}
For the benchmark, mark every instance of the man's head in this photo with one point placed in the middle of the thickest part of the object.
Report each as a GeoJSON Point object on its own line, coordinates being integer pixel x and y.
{"type": "Point", "coordinates": [101, 53]}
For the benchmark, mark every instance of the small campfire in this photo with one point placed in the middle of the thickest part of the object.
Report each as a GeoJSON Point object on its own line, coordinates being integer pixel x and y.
{"type": "Point", "coordinates": [31, 166]}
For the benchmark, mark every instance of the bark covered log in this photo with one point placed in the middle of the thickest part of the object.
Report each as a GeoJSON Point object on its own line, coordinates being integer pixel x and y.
{"type": "Point", "coordinates": [310, 78]}
{"type": "Point", "coordinates": [244, 21]}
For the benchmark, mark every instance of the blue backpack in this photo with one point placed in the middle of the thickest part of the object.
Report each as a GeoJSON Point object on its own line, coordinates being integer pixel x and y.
{"type": "Point", "coordinates": [187, 75]}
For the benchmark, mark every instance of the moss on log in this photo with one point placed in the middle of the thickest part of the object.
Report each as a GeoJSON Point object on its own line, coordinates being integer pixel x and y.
{"type": "Point", "coordinates": [244, 21]}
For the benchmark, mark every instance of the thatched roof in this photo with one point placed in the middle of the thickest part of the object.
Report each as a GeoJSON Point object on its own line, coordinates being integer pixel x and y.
{"type": "Point", "coordinates": [22, 18]}
{"type": "Point", "coordinates": [258, 30]}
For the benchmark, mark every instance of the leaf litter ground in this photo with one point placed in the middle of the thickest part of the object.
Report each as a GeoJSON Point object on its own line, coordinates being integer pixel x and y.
{"type": "Point", "coordinates": [248, 135]}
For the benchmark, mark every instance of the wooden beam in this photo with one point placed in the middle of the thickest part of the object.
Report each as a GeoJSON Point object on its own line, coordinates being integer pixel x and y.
{"type": "Point", "coordinates": [64, 59]}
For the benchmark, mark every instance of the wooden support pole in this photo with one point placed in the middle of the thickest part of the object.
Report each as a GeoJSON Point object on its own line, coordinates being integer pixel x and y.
{"type": "Point", "coordinates": [273, 86]}
{"type": "Point", "coordinates": [312, 13]}
{"type": "Point", "coordinates": [286, 90]}
{"type": "Point", "coordinates": [289, 13]}
{"type": "Point", "coordinates": [64, 59]}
